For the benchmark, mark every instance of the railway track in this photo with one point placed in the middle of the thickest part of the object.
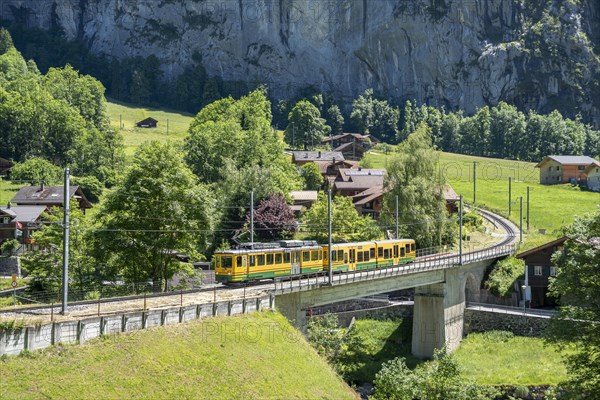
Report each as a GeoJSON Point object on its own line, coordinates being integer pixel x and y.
{"type": "Point", "coordinates": [440, 260]}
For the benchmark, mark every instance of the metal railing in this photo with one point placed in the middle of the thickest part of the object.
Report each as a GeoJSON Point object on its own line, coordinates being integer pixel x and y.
{"type": "Point", "coordinates": [427, 263]}
{"type": "Point", "coordinates": [510, 309]}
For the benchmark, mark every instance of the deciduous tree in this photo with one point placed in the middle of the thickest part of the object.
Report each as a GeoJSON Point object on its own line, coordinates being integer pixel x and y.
{"type": "Point", "coordinates": [305, 126]}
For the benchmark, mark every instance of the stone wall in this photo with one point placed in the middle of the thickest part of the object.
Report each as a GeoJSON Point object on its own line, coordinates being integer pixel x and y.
{"type": "Point", "coordinates": [519, 324]}
{"type": "Point", "coordinates": [9, 266]}
{"type": "Point", "coordinates": [15, 341]}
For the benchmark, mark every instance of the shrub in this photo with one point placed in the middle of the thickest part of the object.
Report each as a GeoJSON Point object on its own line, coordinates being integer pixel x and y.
{"type": "Point", "coordinates": [504, 275]}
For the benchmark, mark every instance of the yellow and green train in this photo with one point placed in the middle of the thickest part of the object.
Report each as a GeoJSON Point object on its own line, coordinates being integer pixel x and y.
{"type": "Point", "coordinates": [290, 258]}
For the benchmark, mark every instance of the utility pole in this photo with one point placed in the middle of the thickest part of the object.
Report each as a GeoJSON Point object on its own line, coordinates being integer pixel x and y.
{"type": "Point", "coordinates": [293, 135]}
{"type": "Point", "coordinates": [521, 219]}
{"type": "Point", "coordinates": [460, 229]}
{"type": "Point", "coordinates": [527, 209]}
{"type": "Point", "coordinates": [509, 195]}
{"type": "Point", "coordinates": [65, 277]}
{"type": "Point", "coordinates": [397, 235]}
{"type": "Point", "coordinates": [474, 182]}
{"type": "Point", "coordinates": [329, 217]}
{"type": "Point", "coordinates": [167, 126]}
{"type": "Point", "coordinates": [252, 219]}
{"type": "Point", "coordinates": [120, 121]}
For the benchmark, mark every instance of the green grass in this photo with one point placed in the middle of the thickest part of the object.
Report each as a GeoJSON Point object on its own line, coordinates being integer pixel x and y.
{"type": "Point", "coordinates": [8, 190]}
{"type": "Point", "coordinates": [133, 136]}
{"type": "Point", "coordinates": [552, 206]}
{"type": "Point", "coordinates": [6, 283]}
{"type": "Point", "coordinates": [515, 361]}
{"type": "Point", "coordinates": [373, 342]}
{"type": "Point", "coordinates": [253, 356]}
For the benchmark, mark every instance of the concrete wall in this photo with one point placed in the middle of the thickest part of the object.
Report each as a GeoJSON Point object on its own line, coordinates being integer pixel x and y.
{"type": "Point", "coordinates": [80, 331]}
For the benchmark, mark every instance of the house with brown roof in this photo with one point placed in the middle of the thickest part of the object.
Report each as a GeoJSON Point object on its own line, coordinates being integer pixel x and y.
{"type": "Point", "coordinates": [147, 123]}
{"type": "Point", "coordinates": [19, 222]}
{"type": "Point", "coordinates": [350, 182]}
{"type": "Point", "coordinates": [592, 172]}
{"type": "Point", "coordinates": [352, 145]}
{"type": "Point", "coordinates": [370, 201]}
{"type": "Point", "coordinates": [452, 199]}
{"type": "Point", "coordinates": [302, 200]}
{"type": "Point", "coordinates": [564, 169]}
{"type": "Point", "coordinates": [539, 267]}
{"type": "Point", "coordinates": [330, 169]}
{"type": "Point", "coordinates": [49, 196]}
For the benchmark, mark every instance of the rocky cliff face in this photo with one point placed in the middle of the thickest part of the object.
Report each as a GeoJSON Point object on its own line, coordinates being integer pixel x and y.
{"type": "Point", "coordinates": [462, 54]}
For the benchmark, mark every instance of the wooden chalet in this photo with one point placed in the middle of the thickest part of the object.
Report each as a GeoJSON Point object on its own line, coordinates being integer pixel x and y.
{"type": "Point", "coordinates": [19, 222]}
{"type": "Point", "coordinates": [303, 157]}
{"type": "Point", "coordinates": [49, 196]}
{"type": "Point", "coordinates": [5, 166]}
{"type": "Point", "coordinates": [350, 182]}
{"type": "Point", "coordinates": [564, 169]}
{"type": "Point", "coordinates": [592, 172]}
{"type": "Point", "coordinates": [538, 262]}
{"type": "Point", "coordinates": [302, 200]}
{"type": "Point", "coordinates": [147, 123]}
{"type": "Point", "coordinates": [370, 201]}
{"type": "Point", "coordinates": [352, 145]}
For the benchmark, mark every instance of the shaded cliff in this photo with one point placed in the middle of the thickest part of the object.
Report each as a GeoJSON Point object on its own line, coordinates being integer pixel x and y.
{"type": "Point", "coordinates": [457, 53]}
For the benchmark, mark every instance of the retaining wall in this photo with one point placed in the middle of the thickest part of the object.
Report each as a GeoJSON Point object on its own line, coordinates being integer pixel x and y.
{"type": "Point", "coordinates": [519, 324]}
{"type": "Point", "coordinates": [80, 331]}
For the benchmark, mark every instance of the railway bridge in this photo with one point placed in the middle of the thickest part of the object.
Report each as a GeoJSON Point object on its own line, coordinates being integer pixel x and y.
{"type": "Point", "coordinates": [442, 283]}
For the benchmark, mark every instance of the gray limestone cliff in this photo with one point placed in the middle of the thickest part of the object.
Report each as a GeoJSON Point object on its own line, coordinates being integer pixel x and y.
{"type": "Point", "coordinates": [462, 54]}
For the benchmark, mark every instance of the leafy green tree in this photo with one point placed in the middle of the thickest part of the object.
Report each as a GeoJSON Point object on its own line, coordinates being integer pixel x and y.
{"type": "Point", "coordinates": [36, 170]}
{"type": "Point", "coordinates": [44, 265]}
{"type": "Point", "coordinates": [156, 210]}
{"type": "Point", "coordinates": [305, 126]}
{"type": "Point", "coordinates": [578, 286]}
{"type": "Point", "coordinates": [90, 186]}
{"type": "Point", "coordinates": [415, 178]}
{"type": "Point", "coordinates": [6, 41]}
{"type": "Point", "coordinates": [507, 131]}
{"type": "Point", "coordinates": [437, 379]}
{"type": "Point", "coordinates": [449, 132]}
{"type": "Point", "coordinates": [325, 335]}
{"type": "Point", "coordinates": [505, 273]}
{"type": "Point", "coordinates": [335, 119]}
{"type": "Point", "coordinates": [313, 180]}
{"type": "Point", "coordinates": [347, 225]}
{"type": "Point", "coordinates": [376, 117]}
{"type": "Point", "coordinates": [408, 122]}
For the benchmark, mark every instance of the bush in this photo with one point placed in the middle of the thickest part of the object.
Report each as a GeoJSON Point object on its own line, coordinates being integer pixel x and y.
{"type": "Point", "coordinates": [90, 186]}
{"type": "Point", "coordinates": [473, 220]}
{"type": "Point", "coordinates": [36, 170]}
{"type": "Point", "coordinates": [503, 276]}
{"type": "Point", "coordinates": [498, 336]}
{"type": "Point", "coordinates": [325, 335]}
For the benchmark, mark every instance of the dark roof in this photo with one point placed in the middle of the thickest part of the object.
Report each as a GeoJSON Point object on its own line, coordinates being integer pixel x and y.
{"type": "Point", "coordinates": [556, 242]}
{"type": "Point", "coordinates": [317, 155]}
{"type": "Point", "coordinates": [449, 193]}
{"type": "Point", "coordinates": [323, 165]}
{"type": "Point", "coordinates": [590, 167]}
{"type": "Point", "coordinates": [568, 160]}
{"type": "Point", "coordinates": [356, 136]}
{"type": "Point", "coordinates": [147, 120]}
{"type": "Point", "coordinates": [48, 195]}
{"type": "Point", "coordinates": [25, 213]}
{"type": "Point", "coordinates": [368, 195]}
{"type": "Point", "coordinates": [359, 179]}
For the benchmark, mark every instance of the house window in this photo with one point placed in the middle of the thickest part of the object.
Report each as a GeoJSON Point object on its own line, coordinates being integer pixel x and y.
{"type": "Point", "coordinates": [549, 168]}
{"type": "Point", "coordinates": [552, 271]}
{"type": "Point", "coordinates": [580, 167]}
{"type": "Point", "coordinates": [558, 168]}
{"type": "Point", "coordinates": [537, 270]}
{"type": "Point", "coordinates": [5, 220]}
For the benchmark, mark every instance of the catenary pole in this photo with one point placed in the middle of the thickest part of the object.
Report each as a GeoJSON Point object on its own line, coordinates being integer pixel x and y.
{"type": "Point", "coordinates": [397, 234]}
{"type": "Point", "coordinates": [521, 219]}
{"type": "Point", "coordinates": [509, 195]}
{"type": "Point", "coordinates": [460, 230]}
{"type": "Point", "coordinates": [252, 219]}
{"type": "Point", "coordinates": [65, 277]}
{"type": "Point", "coordinates": [329, 218]}
{"type": "Point", "coordinates": [474, 182]}
{"type": "Point", "coordinates": [527, 217]}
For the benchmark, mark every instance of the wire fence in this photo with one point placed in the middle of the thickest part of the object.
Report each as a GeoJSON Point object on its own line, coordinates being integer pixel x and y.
{"type": "Point", "coordinates": [510, 309]}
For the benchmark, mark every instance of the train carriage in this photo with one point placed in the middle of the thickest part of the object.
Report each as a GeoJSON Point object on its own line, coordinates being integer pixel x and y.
{"type": "Point", "coordinates": [286, 258]}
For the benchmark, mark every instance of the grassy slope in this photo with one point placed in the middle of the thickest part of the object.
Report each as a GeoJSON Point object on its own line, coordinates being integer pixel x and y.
{"type": "Point", "coordinates": [245, 357]}
{"type": "Point", "coordinates": [517, 361]}
{"type": "Point", "coordinates": [178, 124]}
{"type": "Point", "coordinates": [551, 206]}
{"type": "Point", "coordinates": [8, 191]}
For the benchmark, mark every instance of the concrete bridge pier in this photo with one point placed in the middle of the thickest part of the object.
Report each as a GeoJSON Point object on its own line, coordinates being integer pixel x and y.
{"type": "Point", "coordinates": [438, 315]}
{"type": "Point", "coordinates": [292, 308]}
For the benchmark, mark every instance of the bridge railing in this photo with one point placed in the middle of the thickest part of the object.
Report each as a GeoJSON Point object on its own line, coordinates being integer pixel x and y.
{"type": "Point", "coordinates": [431, 262]}
{"type": "Point", "coordinates": [510, 309]}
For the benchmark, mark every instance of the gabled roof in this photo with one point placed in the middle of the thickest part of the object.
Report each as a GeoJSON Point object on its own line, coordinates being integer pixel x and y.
{"type": "Point", "coordinates": [349, 146]}
{"type": "Point", "coordinates": [357, 136]}
{"type": "Point", "coordinates": [590, 167]}
{"type": "Point", "coordinates": [449, 193]}
{"type": "Point", "coordinates": [147, 120]}
{"type": "Point", "coordinates": [359, 179]}
{"type": "Point", "coordinates": [317, 156]}
{"type": "Point", "coordinates": [48, 195]}
{"type": "Point", "coordinates": [368, 195]}
{"type": "Point", "coordinates": [323, 165]}
{"type": "Point", "coordinates": [25, 213]}
{"type": "Point", "coordinates": [304, 195]}
{"type": "Point", "coordinates": [567, 160]}
{"type": "Point", "coordinates": [557, 242]}
{"type": "Point", "coordinates": [6, 212]}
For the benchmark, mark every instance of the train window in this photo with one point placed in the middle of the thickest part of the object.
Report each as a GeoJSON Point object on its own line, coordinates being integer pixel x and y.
{"type": "Point", "coordinates": [372, 252]}
{"type": "Point", "coordinates": [252, 261]}
{"type": "Point", "coordinates": [360, 256]}
{"type": "Point", "coordinates": [261, 259]}
{"type": "Point", "coordinates": [401, 251]}
{"type": "Point", "coordinates": [320, 254]}
{"type": "Point", "coordinates": [226, 261]}
{"type": "Point", "coordinates": [278, 258]}
{"type": "Point", "coordinates": [333, 256]}
{"type": "Point", "coordinates": [366, 256]}
{"type": "Point", "coordinates": [386, 253]}
{"type": "Point", "coordinates": [407, 248]}
{"type": "Point", "coordinates": [238, 261]}
{"type": "Point", "coordinates": [286, 257]}
{"type": "Point", "coordinates": [412, 247]}
{"type": "Point", "coordinates": [306, 256]}
{"type": "Point", "coordinates": [340, 254]}
{"type": "Point", "coordinates": [380, 252]}
{"type": "Point", "coordinates": [270, 258]}
{"type": "Point", "coordinates": [314, 256]}
{"type": "Point", "coordinates": [345, 258]}
{"type": "Point", "coordinates": [395, 251]}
